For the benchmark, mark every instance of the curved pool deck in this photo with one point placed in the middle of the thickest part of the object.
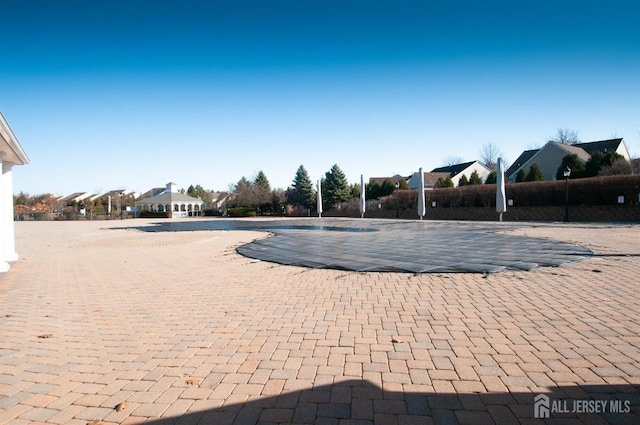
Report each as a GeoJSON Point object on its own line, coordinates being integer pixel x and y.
{"type": "Point", "coordinates": [392, 245]}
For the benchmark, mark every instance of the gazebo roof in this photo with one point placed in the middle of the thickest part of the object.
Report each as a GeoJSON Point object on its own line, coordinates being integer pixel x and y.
{"type": "Point", "coordinates": [168, 198]}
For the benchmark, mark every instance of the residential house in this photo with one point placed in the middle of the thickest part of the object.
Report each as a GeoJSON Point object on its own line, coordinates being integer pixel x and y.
{"type": "Point", "coordinates": [430, 179]}
{"type": "Point", "coordinates": [219, 200]}
{"type": "Point", "coordinates": [456, 171]}
{"type": "Point", "coordinates": [612, 145]}
{"type": "Point", "coordinates": [519, 162]}
{"type": "Point", "coordinates": [76, 197]}
{"type": "Point", "coordinates": [380, 180]}
{"type": "Point", "coordinates": [549, 157]}
{"type": "Point", "coordinates": [153, 192]}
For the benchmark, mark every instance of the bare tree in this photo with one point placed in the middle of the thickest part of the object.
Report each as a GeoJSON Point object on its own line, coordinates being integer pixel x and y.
{"type": "Point", "coordinates": [489, 154]}
{"type": "Point", "coordinates": [452, 160]}
{"type": "Point", "coordinates": [619, 166]}
{"type": "Point", "coordinates": [566, 136]}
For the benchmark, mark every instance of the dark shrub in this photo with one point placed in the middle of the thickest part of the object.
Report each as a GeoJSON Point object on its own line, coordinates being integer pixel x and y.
{"type": "Point", "coordinates": [242, 212]}
{"type": "Point", "coordinates": [155, 214]}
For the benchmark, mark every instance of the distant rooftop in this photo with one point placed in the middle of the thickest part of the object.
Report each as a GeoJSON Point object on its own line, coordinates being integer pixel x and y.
{"type": "Point", "coordinates": [453, 169]}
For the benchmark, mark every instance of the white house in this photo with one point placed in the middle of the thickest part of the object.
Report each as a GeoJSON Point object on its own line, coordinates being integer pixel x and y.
{"type": "Point", "coordinates": [11, 154]}
{"type": "Point", "coordinates": [179, 204]}
{"type": "Point", "coordinates": [465, 169]}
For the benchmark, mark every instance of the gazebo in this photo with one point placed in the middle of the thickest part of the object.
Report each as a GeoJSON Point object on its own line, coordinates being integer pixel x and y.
{"type": "Point", "coordinates": [11, 154]}
{"type": "Point", "coordinates": [179, 204]}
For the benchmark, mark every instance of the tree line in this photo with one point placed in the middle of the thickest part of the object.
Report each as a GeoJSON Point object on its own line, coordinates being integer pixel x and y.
{"type": "Point", "coordinates": [255, 197]}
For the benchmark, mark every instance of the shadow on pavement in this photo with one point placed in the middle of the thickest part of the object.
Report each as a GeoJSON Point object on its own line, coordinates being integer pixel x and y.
{"type": "Point", "coordinates": [358, 402]}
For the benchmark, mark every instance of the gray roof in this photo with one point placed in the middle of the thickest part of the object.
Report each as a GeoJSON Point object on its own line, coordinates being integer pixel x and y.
{"type": "Point", "coordinates": [453, 170]}
{"type": "Point", "coordinates": [394, 179]}
{"type": "Point", "coordinates": [524, 157]}
{"type": "Point", "coordinates": [600, 146]}
{"type": "Point", "coordinates": [575, 149]}
{"type": "Point", "coordinates": [169, 197]}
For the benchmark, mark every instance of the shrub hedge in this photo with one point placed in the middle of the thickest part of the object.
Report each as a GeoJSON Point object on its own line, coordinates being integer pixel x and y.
{"type": "Point", "coordinates": [155, 214]}
{"type": "Point", "coordinates": [604, 190]}
{"type": "Point", "coordinates": [242, 212]}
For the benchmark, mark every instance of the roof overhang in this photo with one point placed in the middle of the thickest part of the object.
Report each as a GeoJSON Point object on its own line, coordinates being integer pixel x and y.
{"type": "Point", "coordinates": [10, 149]}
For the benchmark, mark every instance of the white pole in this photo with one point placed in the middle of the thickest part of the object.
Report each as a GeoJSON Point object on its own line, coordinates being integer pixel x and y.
{"type": "Point", "coordinates": [501, 198]}
{"type": "Point", "coordinates": [319, 198]}
{"type": "Point", "coordinates": [363, 202]}
{"type": "Point", "coordinates": [421, 201]}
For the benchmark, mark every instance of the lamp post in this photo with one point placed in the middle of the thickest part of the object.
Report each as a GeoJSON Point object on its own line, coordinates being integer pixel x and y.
{"type": "Point", "coordinates": [566, 173]}
{"type": "Point", "coordinates": [397, 202]}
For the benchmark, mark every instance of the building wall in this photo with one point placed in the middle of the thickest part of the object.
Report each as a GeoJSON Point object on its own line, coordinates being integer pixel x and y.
{"type": "Point", "coordinates": [548, 159]}
{"type": "Point", "coordinates": [622, 150]}
{"type": "Point", "coordinates": [476, 166]}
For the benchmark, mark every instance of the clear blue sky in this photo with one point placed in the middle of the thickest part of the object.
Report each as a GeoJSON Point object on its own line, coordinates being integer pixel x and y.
{"type": "Point", "coordinates": [133, 94]}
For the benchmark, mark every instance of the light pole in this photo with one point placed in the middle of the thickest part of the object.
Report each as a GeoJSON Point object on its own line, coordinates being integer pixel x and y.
{"type": "Point", "coordinates": [397, 203]}
{"type": "Point", "coordinates": [566, 173]}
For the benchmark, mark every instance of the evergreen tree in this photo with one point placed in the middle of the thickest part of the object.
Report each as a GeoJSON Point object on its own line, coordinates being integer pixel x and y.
{"type": "Point", "coordinates": [371, 190]}
{"type": "Point", "coordinates": [262, 193]}
{"type": "Point", "coordinates": [277, 201]}
{"type": "Point", "coordinates": [198, 191]}
{"type": "Point", "coordinates": [464, 181]}
{"type": "Point", "coordinates": [335, 188]}
{"type": "Point", "coordinates": [301, 191]}
{"type": "Point", "coordinates": [262, 181]}
{"type": "Point", "coordinates": [475, 178]}
{"type": "Point", "coordinates": [535, 174]}
{"type": "Point", "coordinates": [355, 190]}
{"type": "Point", "coordinates": [597, 161]}
{"type": "Point", "coordinates": [574, 163]}
{"type": "Point", "coordinates": [98, 205]}
{"type": "Point", "coordinates": [492, 178]}
{"type": "Point", "coordinates": [387, 188]}
{"type": "Point", "coordinates": [521, 176]}
{"type": "Point", "coordinates": [444, 182]}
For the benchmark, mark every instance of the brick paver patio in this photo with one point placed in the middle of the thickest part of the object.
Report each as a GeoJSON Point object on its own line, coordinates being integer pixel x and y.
{"type": "Point", "coordinates": [183, 330]}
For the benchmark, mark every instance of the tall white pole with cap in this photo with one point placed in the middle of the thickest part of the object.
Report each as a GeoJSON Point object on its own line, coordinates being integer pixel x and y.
{"type": "Point", "coordinates": [501, 197]}
{"type": "Point", "coordinates": [363, 204]}
{"type": "Point", "coordinates": [422, 210]}
{"type": "Point", "coordinates": [319, 199]}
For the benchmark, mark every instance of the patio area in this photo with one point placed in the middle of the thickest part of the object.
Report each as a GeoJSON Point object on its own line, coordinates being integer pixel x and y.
{"type": "Point", "coordinates": [101, 322]}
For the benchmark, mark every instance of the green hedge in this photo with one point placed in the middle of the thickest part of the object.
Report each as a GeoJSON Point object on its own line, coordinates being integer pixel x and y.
{"type": "Point", "coordinates": [592, 191]}
{"type": "Point", "coordinates": [154, 214]}
{"type": "Point", "coordinates": [242, 212]}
